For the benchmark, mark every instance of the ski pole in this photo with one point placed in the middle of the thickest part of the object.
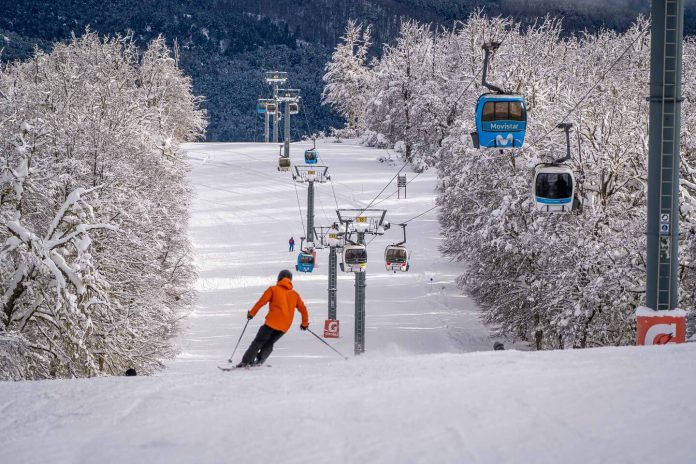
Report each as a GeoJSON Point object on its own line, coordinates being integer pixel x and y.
{"type": "Point", "coordinates": [238, 341]}
{"type": "Point", "coordinates": [324, 342]}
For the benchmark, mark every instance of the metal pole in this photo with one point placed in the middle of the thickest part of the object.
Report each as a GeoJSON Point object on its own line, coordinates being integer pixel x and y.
{"type": "Point", "coordinates": [325, 343]}
{"type": "Point", "coordinates": [266, 121]}
{"type": "Point", "coordinates": [238, 341]}
{"type": "Point", "coordinates": [360, 305]}
{"type": "Point", "coordinates": [663, 157]}
{"type": "Point", "coordinates": [487, 47]}
{"type": "Point", "coordinates": [275, 116]}
{"type": "Point", "coordinates": [333, 281]}
{"type": "Point", "coordinates": [286, 116]}
{"type": "Point", "coordinates": [310, 211]}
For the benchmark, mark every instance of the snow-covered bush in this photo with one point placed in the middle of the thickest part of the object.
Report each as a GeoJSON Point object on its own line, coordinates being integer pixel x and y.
{"type": "Point", "coordinates": [95, 265]}
{"type": "Point", "coordinates": [374, 139]}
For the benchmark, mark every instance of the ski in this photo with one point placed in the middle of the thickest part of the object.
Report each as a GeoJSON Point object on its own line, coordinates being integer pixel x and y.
{"type": "Point", "coordinates": [233, 368]}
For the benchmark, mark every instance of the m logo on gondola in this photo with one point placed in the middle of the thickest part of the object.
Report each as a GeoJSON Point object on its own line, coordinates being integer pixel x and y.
{"type": "Point", "coordinates": [500, 141]}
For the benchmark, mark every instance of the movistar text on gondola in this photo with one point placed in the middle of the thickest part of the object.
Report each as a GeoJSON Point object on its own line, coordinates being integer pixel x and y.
{"type": "Point", "coordinates": [503, 126]}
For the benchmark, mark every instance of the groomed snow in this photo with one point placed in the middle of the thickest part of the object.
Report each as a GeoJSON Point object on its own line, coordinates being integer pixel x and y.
{"type": "Point", "coordinates": [424, 392]}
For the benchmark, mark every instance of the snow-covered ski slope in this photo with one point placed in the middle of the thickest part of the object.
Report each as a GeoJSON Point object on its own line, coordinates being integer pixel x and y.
{"type": "Point", "coordinates": [423, 392]}
{"type": "Point", "coordinates": [245, 212]}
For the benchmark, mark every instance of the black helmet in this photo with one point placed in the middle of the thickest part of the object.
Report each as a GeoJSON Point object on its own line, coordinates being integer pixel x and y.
{"type": "Point", "coordinates": [498, 346]}
{"type": "Point", "coordinates": [283, 274]}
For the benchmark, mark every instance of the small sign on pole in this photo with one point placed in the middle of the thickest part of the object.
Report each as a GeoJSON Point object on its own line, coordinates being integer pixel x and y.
{"type": "Point", "coordinates": [401, 184]}
{"type": "Point", "coordinates": [331, 328]}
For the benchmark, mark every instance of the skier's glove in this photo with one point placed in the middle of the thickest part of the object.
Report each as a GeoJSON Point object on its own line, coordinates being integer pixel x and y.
{"type": "Point", "coordinates": [304, 327]}
{"type": "Point", "coordinates": [249, 316]}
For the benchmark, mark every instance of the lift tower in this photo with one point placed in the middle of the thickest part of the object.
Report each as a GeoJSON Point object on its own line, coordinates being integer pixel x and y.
{"type": "Point", "coordinates": [663, 162]}
{"type": "Point", "coordinates": [267, 107]}
{"type": "Point", "coordinates": [663, 169]}
{"type": "Point", "coordinates": [331, 237]}
{"type": "Point", "coordinates": [310, 175]}
{"type": "Point", "coordinates": [275, 78]}
{"type": "Point", "coordinates": [361, 222]}
{"type": "Point", "coordinates": [291, 100]}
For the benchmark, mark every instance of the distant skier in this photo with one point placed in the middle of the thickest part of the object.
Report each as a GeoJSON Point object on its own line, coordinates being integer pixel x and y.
{"type": "Point", "coordinates": [291, 242]}
{"type": "Point", "coordinates": [281, 311]}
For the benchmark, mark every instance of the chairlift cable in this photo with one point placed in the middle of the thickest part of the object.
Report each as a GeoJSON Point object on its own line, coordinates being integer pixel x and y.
{"type": "Point", "coordinates": [321, 205]}
{"type": "Point", "coordinates": [421, 214]}
{"type": "Point", "coordinates": [304, 112]}
{"type": "Point", "coordinates": [252, 171]}
{"type": "Point", "coordinates": [384, 188]}
{"type": "Point", "coordinates": [299, 208]}
{"type": "Point", "coordinates": [397, 191]}
{"type": "Point", "coordinates": [334, 192]}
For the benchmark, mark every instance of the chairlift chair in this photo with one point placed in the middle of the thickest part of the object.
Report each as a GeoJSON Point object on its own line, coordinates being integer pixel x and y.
{"type": "Point", "coordinates": [396, 256]}
{"type": "Point", "coordinates": [554, 188]}
{"type": "Point", "coordinates": [265, 105]}
{"type": "Point", "coordinates": [271, 107]}
{"type": "Point", "coordinates": [284, 163]}
{"type": "Point", "coordinates": [501, 118]}
{"type": "Point", "coordinates": [305, 261]}
{"type": "Point", "coordinates": [311, 156]}
{"type": "Point", "coordinates": [354, 258]}
{"type": "Point", "coordinates": [293, 107]}
{"type": "Point", "coordinates": [501, 121]}
{"type": "Point", "coordinates": [554, 183]}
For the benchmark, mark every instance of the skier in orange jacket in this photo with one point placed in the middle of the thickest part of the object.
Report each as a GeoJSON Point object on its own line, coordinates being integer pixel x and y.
{"type": "Point", "coordinates": [283, 301]}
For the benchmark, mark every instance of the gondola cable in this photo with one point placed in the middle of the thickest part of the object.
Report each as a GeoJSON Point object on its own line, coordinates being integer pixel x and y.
{"type": "Point", "coordinates": [299, 208]}
{"type": "Point", "coordinates": [384, 188]}
{"type": "Point", "coordinates": [587, 93]}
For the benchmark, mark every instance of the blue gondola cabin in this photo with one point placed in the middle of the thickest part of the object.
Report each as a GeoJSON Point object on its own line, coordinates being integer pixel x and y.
{"type": "Point", "coordinates": [501, 121]}
{"type": "Point", "coordinates": [305, 262]}
{"type": "Point", "coordinates": [311, 156]}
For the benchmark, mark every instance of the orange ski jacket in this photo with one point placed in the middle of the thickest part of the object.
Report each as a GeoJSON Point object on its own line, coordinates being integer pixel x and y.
{"type": "Point", "coordinates": [281, 310]}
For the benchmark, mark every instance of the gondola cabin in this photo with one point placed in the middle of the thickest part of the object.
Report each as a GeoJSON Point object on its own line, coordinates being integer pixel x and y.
{"type": "Point", "coordinates": [396, 258]}
{"type": "Point", "coordinates": [501, 121]}
{"type": "Point", "coordinates": [354, 258]}
{"type": "Point", "coordinates": [311, 156]}
{"type": "Point", "coordinates": [305, 262]}
{"type": "Point", "coordinates": [554, 188]}
{"type": "Point", "coordinates": [284, 163]}
{"type": "Point", "coordinates": [263, 106]}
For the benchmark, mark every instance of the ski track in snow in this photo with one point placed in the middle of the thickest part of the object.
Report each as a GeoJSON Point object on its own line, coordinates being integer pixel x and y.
{"type": "Point", "coordinates": [424, 391]}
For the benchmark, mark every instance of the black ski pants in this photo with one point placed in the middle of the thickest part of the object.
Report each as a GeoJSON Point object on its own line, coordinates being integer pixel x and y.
{"type": "Point", "coordinates": [262, 346]}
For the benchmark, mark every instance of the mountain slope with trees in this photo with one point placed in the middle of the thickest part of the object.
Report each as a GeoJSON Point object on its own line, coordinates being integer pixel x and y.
{"type": "Point", "coordinates": [226, 45]}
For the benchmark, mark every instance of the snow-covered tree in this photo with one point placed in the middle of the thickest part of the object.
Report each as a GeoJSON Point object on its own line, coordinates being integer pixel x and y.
{"type": "Point", "coordinates": [95, 265]}
{"type": "Point", "coordinates": [687, 243]}
{"type": "Point", "coordinates": [347, 75]}
{"type": "Point", "coordinates": [568, 280]}
{"type": "Point", "coordinates": [391, 109]}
